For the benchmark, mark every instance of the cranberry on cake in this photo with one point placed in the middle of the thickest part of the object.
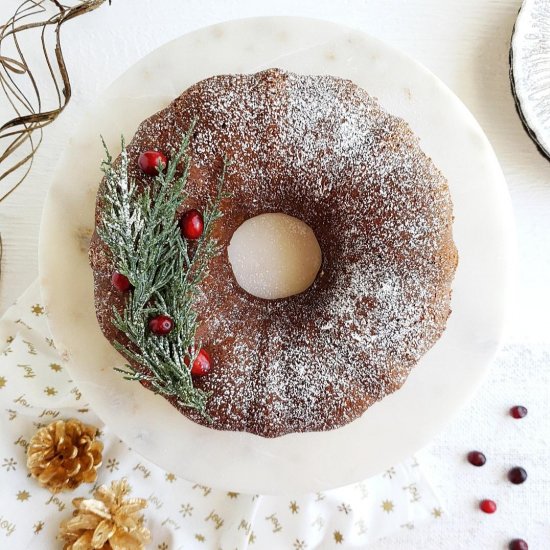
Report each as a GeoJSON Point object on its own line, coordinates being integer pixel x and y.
{"type": "Point", "coordinates": [305, 259]}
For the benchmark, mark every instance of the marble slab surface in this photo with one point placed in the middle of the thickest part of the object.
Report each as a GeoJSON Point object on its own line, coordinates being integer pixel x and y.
{"type": "Point", "coordinates": [446, 377]}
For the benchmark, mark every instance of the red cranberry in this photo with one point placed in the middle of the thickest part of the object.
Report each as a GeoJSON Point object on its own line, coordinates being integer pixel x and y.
{"type": "Point", "coordinates": [202, 364]}
{"type": "Point", "coordinates": [518, 544]}
{"type": "Point", "coordinates": [120, 282]}
{"type": "Point", "coordinates": [476, 458]}
{"type": "Point", "coordinates": [518, 411]}
{"type": "Point", "coordinates": [517, 475]}
{"type": "Point", "coordinates": [192, 224]}
{"type": "Point", "coordinates": [149, 162]}
{"type": "Point", "coordinates": [161, 325]}
{"type": "Point", "coordinates": [488, 506]}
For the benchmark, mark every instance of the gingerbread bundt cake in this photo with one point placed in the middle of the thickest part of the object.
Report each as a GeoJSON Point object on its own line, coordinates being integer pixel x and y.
{"type": "Point", "coordinates": [320, 149]}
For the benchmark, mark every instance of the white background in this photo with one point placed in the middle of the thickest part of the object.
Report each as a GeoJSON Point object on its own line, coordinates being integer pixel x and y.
{"type": "Point", "coordinates": [465, 43]}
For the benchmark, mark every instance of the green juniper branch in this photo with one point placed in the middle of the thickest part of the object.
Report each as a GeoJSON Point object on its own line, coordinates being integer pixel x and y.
{"type": "Point", "coordinates": [143, 235]}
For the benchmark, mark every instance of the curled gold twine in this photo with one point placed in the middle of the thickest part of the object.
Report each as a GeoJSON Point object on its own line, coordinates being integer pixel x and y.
{"type": "Point", "coordinates": [31, 115]}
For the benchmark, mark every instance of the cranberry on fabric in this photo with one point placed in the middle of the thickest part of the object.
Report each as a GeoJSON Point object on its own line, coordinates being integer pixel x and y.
{"type": "Point", "coordinates": [476, 458]}
{"type": "Point", "coordinates": [488, 506]}
{"type": "Point", "coordinates": [518, 411]}
{"type": "Point", "coordinates": [517, 475]}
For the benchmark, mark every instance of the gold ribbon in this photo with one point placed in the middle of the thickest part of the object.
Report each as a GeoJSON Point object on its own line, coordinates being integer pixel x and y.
{"type": "Point", "coordinates": [23, 133]}
{"type": "Point", "coordinates": [17, 135]}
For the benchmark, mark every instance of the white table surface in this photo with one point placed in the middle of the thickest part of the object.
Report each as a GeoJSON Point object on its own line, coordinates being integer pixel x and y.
{"type": "Point", "coordinates": [465, 43]}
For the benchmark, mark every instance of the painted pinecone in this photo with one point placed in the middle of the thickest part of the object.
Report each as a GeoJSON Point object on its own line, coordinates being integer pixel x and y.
{"type": "Point", "coordinates": [109, 521]}
{"type": "Point", "coordinates": [64, 454]}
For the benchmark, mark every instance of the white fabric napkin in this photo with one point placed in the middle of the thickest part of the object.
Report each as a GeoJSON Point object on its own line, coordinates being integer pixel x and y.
{"type": "Point", "coordinates": [35, 389]}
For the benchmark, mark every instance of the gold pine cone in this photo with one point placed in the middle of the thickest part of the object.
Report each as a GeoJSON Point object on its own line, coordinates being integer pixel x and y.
{"type": "Point", "coordinates": [64, 454]}
{"type": "Point", "coordinates": [107, 522]}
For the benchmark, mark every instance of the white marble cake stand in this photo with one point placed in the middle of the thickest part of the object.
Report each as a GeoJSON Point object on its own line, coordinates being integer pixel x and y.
{"type": "Point", "coordinates": [446, 377]}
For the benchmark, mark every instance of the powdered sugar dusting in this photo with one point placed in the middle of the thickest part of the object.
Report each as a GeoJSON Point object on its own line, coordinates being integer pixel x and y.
{"type": "Point", "coordinates": [322, 150]}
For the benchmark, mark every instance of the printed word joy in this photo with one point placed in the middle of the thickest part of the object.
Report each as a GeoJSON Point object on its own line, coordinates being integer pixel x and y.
{"type": "Point", "coordinates": [55, 500]}
{"type": "Point", "coordinates": [7, 526]}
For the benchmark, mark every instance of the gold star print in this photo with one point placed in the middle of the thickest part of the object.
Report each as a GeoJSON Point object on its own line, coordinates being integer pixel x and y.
{"type": "Point", "coordinates": [299, 545]}
{"type": "Point", "coordinates": [9, 464]}
{"type": "Point", "coordinates": [170, 477]}
{"type": "Point", "coordinates": [251, 538]}
{"type": "Point", "coordinates": [338, 537]}
{"type": "Point", "coordinates": [2, 382]}
{"type": "Point", "coordinates": [50, 391]}
{"type": "Point", "coordinates": [186, 510]}
{"type": "Point", "coordinates": [387, 506]}
{"type": "Point", "coordinates": [232, 495]}
{"type": "Point", "coordinates": [37, 309]}
{"type": "Point", "coordinates": [9, 339]}
{"type": "Point", "coordinates": [346, 508]}
{"type": "Point", "coordinates": [112, 464]}
{"type": "Point", "coordinates": [294, 507]}
{"type": "Point", "coordinates": [162, 546]}
{"type": "Point", "coordinates": [23, 496]}
{"type": "Point", "coordinates": [55, 367]}
{"type": "Point", "coordinates": [437, 512]}
{"type": "Point", "coordinates": [200, 537]}
{"type": "Point", "coordinates": [38, 526]}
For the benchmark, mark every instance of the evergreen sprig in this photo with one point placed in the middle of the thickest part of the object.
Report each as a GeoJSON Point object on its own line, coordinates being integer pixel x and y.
{"type": "Point", "coordinates": [142, 232]}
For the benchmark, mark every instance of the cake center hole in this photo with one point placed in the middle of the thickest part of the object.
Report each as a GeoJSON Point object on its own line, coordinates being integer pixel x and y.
{"type": "Point", "coordinates": [274, 256]}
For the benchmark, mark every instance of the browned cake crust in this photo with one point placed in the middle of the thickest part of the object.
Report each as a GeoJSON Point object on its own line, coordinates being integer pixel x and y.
{"type": "Point", "coordinates": [321, 149]}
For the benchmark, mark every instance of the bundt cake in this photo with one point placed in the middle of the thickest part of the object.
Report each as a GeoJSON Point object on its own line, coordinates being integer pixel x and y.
{"type": "Point", "coordinates": [322, 150]}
